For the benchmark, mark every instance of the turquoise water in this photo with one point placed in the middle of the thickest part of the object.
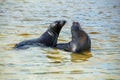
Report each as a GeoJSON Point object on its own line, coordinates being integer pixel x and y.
{"type": "Point", "coordinates": [27, 19]}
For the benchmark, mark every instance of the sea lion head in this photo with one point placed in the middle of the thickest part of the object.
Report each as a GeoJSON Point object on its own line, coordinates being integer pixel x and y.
{"type": "Point", "coordinates": [76, 26]}
{"type": "Point", "coordinates": [76, 29]}
{"type": "Point", "coordinates": [56, 26]}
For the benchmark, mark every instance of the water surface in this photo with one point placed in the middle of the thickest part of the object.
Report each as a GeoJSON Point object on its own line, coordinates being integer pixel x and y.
{"type": "Point", "coordinates": [27, 19]}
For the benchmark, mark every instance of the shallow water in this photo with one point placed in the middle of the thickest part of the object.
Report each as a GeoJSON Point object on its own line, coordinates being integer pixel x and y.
{"type": "Point", "coordinates": [26, 19]}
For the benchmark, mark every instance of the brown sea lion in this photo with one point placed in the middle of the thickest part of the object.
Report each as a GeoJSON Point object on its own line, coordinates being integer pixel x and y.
{"type": "Point", "coordinates": [80, 40]}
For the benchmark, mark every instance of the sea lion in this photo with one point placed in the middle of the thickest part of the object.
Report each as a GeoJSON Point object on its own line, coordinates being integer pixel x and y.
{"type": "Point", "coordinates": [47, 39]}
{"type": "Point", "coordinates": [80, 40]}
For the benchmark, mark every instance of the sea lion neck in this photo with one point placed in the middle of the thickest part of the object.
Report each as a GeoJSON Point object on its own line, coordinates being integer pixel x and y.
{"type": "Point", "coordinates": [52, 33]}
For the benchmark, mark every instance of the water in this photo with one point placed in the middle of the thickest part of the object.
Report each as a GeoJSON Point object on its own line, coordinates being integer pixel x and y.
{"type": "Point", "coordinates": [27, 19]}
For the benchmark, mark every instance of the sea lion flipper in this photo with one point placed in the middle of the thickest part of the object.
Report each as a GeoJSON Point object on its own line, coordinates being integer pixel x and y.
{"type": "Point", "coordinates": [63, 46]}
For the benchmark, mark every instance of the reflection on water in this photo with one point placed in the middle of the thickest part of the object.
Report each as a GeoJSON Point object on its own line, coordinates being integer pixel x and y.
{"type": "Point", "coordinates": [26, 19]}
{"type": "Point", "coordinates": [84, 56]}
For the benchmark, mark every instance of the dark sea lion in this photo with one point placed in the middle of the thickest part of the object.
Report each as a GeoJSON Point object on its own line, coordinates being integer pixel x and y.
{"type": "Point", "coordinates": [80, 40]}
{"type": "Point", "coordinates": [47, 39]}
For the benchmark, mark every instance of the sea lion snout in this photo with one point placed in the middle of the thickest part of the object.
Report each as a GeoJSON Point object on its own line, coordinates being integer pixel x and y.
{"type": "Point", "coordinates": [60, 22]}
